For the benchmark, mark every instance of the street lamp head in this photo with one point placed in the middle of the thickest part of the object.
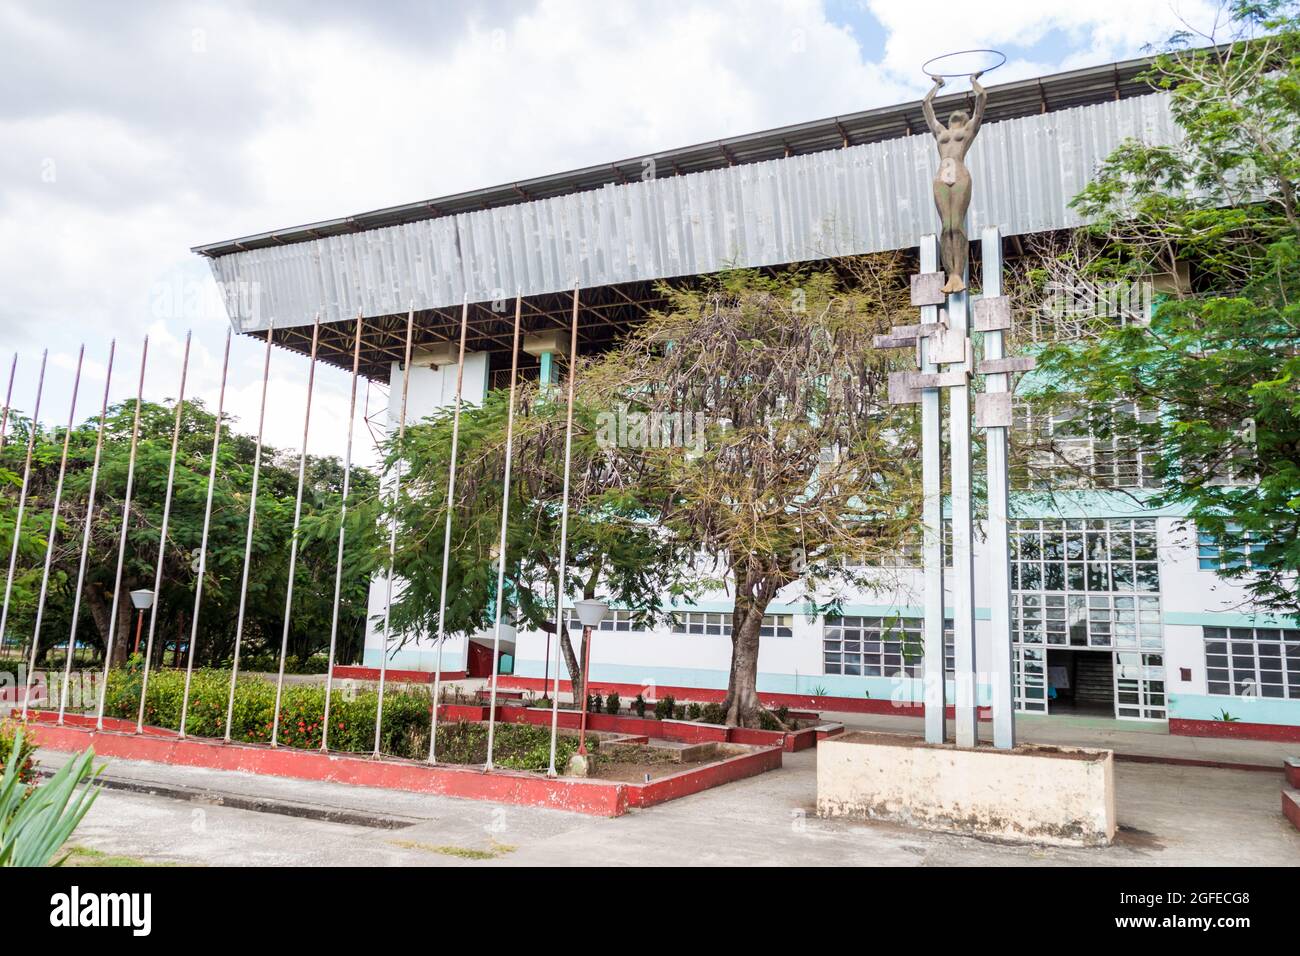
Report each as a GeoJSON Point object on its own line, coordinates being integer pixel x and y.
{"type": "Point", "coordinates": [142, 599]}
{"type": "Point", "coordinates": [591, 613]}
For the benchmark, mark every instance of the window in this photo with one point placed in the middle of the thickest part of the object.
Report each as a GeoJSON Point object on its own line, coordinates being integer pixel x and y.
{"type": "Point", "coordinates": [1066, 454]}
{"type": "Point", "coordinates": [1252, 662]}
{"type": "Point", "coordinates": [1093, 620]}
{"type": "Point", "coordinates": [908, 556]}
{"type": "Point", "coordinates": [1236, 549]}
{"type": "Point", "coordinates": [707, 622]}
{"type": "Point", "coordinates": [1140, 686]}
{"type": "Point", "coordinates": [777, 625]}
{"type": "Point", "coordinates": [1096, 554]}
{"type": "Point", "coordinates": [878, 646]}
{"type": "Point", "coordinates": [614, 621]}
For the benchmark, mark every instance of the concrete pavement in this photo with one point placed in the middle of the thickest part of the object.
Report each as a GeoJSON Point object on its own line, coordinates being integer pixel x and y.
{"type": "Point", "coordinates": [1169, 816]}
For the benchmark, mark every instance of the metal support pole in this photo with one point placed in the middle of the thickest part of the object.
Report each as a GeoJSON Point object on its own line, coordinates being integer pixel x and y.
{"type": "Point", "coordinates": [162, 536]}
{"type": "Point", "coordinates": [9, 394]}
{"type": "Point", "coordinates": [85, 535]}
{"type": "Point", "coordinates": [121, 544]}
{"type": "Point", "coordinates": [963, 588]}
{"type": "Point", "coordinates": [932, 522]}
{"type": "Point", "coordinates": [564, 533]}
{"type": "Point", "coordinates": [586, 697]}
{"type": "Point", "coordinates": [22, 494]}
{"type": "Point", "coordinates": [293, 541]}
{"type": "Point", "coordinates": [999, 560]}
{"type": "Point", "coordinates": [505, 517]}
{"type": "Point", "coordinates": [203, 541]}
{"type": "Point", "coordinates": [446, 536]}
{"type": "Point", "coordinates": [343, 520]}
{"type": "Point", "coordinates": [54, 525]}
{"type": "Point", "coordinates": [248, 540]}
{"type": "Point", "coordinates": [392, 533]}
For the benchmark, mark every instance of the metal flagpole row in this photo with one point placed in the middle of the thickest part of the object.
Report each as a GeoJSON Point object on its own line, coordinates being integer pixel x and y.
{"type": "Point", "coordinates": [22, 497]}
{"type": "Point", "coordinates": [121, 546]}
{"type": "Point", "coordinates": [85, 534]}
{"type": "Point", "coordinates": [505, 517]}
{"type": "Point", "coordinates": [446, 537]}
{"type": "Point", "coordinates": [248, 540]}
{"type": "Point", "coordinates": [293, 541]}
{"type": "Point", "coordinates": [963, 588]}
{"type": "Point", "coordinates": [202, 570]}
{"type": "Point", "coordinates": [162, 536]}
{"type": "Point", "coordinates": [343, 520]}
{"type": "Point", "coordinates": [392, 535]}
{"type": "Point", "coordinates": [564, 533]}
{"type": "Point", "coordinates": [54, 523]}
{"type": "Point", "coordinates": [995, 437]}
{"type": "Point", "coordinates": [932, 519]}
{"type": "Point", "coordinates": [9, 394]}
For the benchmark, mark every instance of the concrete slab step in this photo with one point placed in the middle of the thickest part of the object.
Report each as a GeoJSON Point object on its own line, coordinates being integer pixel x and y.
{"type": "Point", "coordinates": [1291, 807]}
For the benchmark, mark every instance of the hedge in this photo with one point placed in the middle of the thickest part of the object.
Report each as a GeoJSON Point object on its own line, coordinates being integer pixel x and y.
{"type": "Point", "coordinates": [302, 706]}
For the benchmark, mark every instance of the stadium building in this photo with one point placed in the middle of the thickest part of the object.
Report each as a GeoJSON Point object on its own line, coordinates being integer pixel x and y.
{"type": "Point", "coordinates": [1118, 611]}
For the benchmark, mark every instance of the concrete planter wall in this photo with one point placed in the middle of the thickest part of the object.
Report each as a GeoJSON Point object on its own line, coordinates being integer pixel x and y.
{"type": "Point", "coordinates": [1053, 795]}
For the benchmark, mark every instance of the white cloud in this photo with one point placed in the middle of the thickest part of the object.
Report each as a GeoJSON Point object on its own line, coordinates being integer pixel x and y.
{"type": "Point", "coordinates": [175, 124]}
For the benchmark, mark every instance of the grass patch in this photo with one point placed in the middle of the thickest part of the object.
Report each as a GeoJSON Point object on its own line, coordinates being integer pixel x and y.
{"type": "Point", "coordinates": [85, 856]}
{"type": "Point", "coordinates": [461, 852]}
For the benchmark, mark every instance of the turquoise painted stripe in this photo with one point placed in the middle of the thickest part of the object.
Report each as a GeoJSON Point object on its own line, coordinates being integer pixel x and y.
{"type": "Point", "coordinates": [1248, 710]}
{"type": "Point", "coordinates": [1091, 504]}
{"type": "Point", "coordinates": [801, 610]}
{"type": "Point", "coordinates": [903, 690]}
{"type": "Point", "coordinates": [1225, 619]}
{"type": "Point", "coordinates": [416, 660]}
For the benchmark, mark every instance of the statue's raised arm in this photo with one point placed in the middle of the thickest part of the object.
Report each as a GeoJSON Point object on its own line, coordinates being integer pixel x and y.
{"type": "Point", "coordinates": [981, 100]}
{"type": "Point", "coordinates": [927, 106]}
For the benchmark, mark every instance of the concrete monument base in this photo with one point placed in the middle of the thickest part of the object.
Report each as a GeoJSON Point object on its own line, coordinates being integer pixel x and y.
{"type": "Point", "coordinates": [1032, 794]}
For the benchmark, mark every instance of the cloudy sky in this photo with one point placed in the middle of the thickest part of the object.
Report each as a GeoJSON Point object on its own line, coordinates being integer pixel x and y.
{"type": "Point", "coordinates": [131, 131]}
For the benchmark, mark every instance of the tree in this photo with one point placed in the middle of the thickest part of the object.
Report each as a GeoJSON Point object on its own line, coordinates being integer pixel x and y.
{"type": "Point", "coordinates": [796, 459]}
{"type": "Point", "coordinates": [614, 548]}
{"type": "Point", "coordinates": [1218, 360]}
{"type": "Point", "coordinates": [314, 575]}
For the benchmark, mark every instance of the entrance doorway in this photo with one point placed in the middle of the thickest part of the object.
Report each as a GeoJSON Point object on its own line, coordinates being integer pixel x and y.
{"type": "Point", "coordinates": [1080, 682]}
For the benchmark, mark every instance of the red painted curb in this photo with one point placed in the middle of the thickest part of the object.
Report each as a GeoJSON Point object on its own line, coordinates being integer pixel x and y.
{"type": "Point", "coordinates": [703, 778]}
{"type": "Point", "coordinates": [1233, 728]}
{"type": "Point", "coordinates": [593, 797]}
{"type": "Point", "coordinates": [1291, 768]}
{"type": "Point", "coordinates": [351, 672]}
{"type": "Point", "coordinates": [1291, 807]}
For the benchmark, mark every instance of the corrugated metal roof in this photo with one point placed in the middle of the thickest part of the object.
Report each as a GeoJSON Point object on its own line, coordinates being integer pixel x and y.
{"type": "Point", "coordinates": [1006, 101]}
{"type": "Point", "coordinates": [835, 202]}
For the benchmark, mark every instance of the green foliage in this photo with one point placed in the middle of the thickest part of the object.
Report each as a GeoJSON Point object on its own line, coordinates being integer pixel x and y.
{"type": "Point", "coordinates": [664, 707]}
{"type": "Point", "coordinates": [611, 547]}
{"type": "Point", "coordinates": [612, 703]}
{"type": "Point", "coordinates": [352, 719]}
{"type": "Point", "coordinates": [11, 734]}
{"type": "Point", "coordinates": [713, 714]}
{"type": "Point", "coordinates": [1218, 360]}
{"type": "Point", "coordinates": [268, 582]}
{"type": "Point", "coordinates": [639, 705]}
{"type": "Point", "coordinates": [36, 821]}
{"type": "Point", "coordinates": [694, 711]}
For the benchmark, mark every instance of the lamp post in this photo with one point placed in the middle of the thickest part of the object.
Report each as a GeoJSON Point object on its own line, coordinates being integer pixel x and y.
{"type": "Point", "coordinates": [142, 600]}
{"type": "Point", "coordinates": [590, 613]}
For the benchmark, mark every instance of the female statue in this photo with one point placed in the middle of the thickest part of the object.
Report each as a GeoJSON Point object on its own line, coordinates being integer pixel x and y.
{"type": "Point", "coordinates": [952, 183]}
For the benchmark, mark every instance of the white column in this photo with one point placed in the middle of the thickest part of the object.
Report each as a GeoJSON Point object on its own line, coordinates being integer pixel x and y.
{"type": "Point", "coordinates": [963, 587]}
{"type": "Point", "coordinates": [932, 520]}
{"type": "Point", "coordinates": [999, 556]}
